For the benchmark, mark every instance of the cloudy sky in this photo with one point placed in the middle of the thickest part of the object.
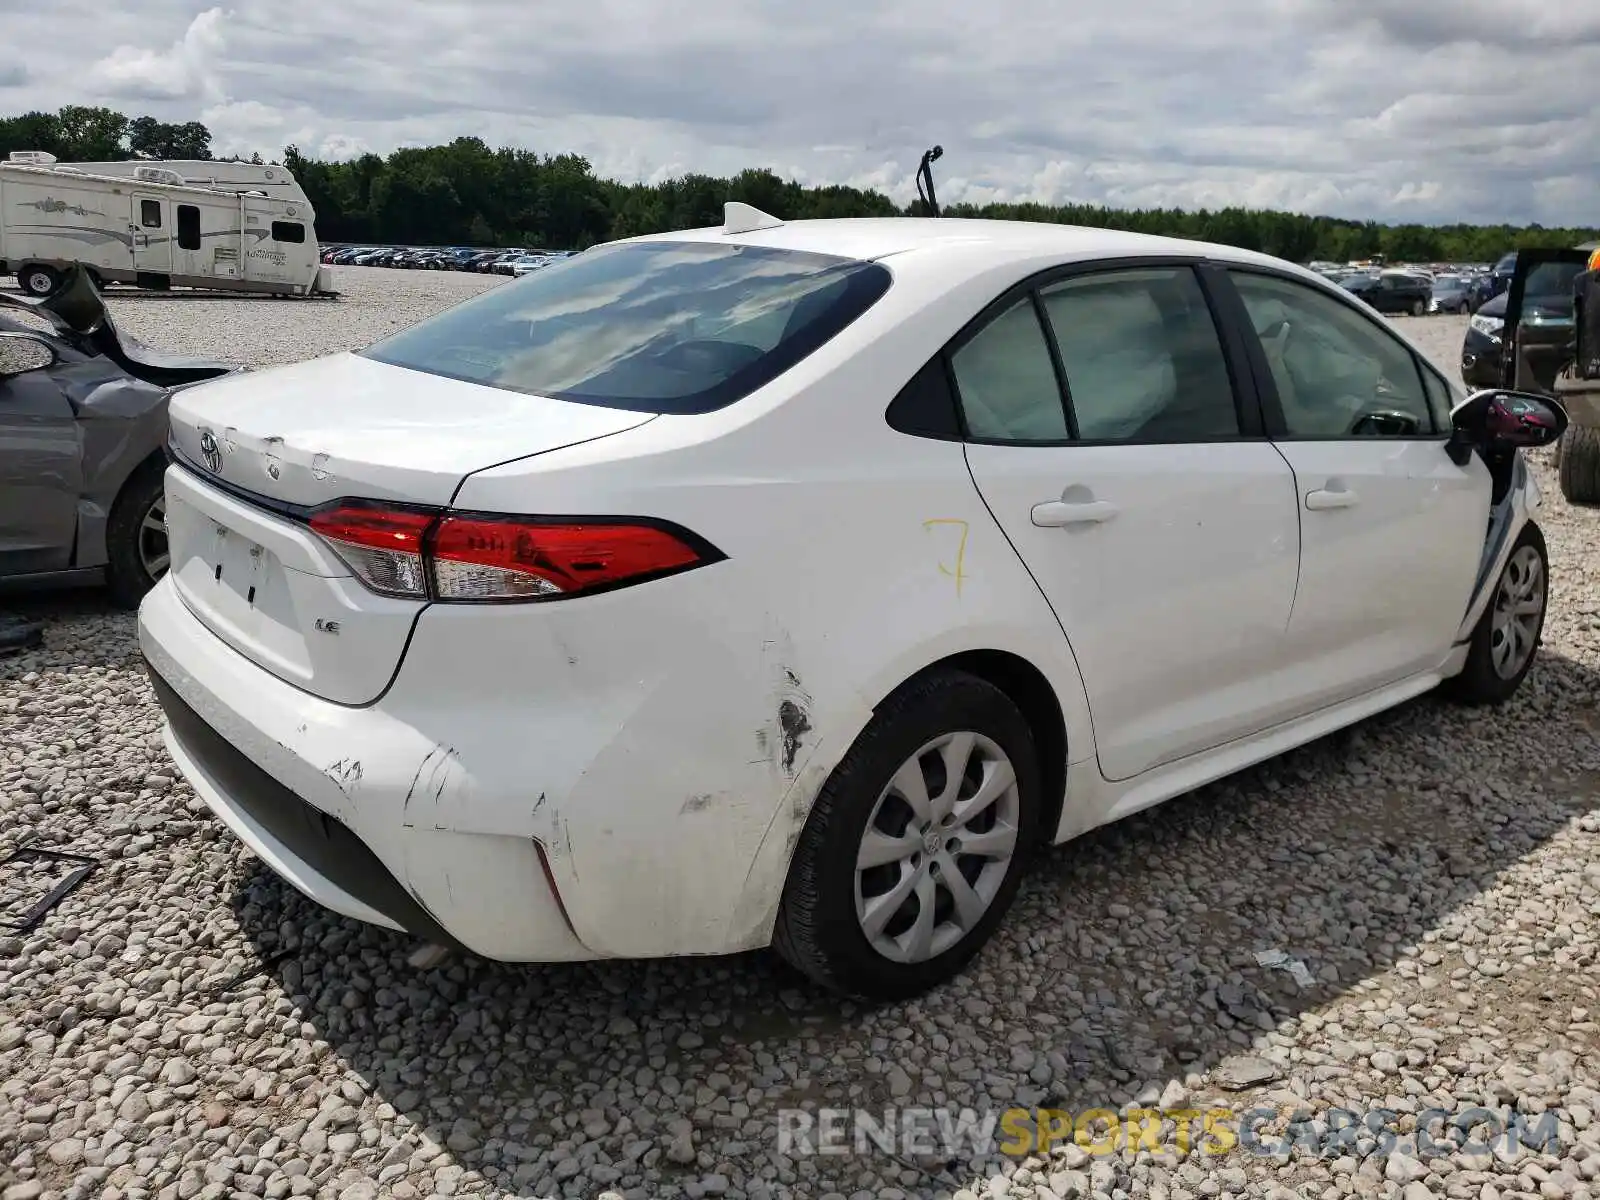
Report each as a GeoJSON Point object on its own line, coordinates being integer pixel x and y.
{"type": "Point", "coordinates": [1428, 110]}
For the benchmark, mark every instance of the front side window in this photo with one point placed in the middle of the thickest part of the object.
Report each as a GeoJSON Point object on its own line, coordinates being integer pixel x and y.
{"type": "Point", "coordinates": [150, 214]}
{"type": "Point", "coordinates": [1142, 358]}
{"type": "Point", "coordinates": [1006, 383]}
{"type": "Point", "coordinates": [288, 231]}
{"type": "Point", "coordinates": [1338, 373]}
{"type": "Point", "coordinates": [663, 327]}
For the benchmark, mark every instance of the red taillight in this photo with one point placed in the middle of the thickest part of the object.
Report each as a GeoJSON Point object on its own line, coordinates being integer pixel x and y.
{"type": "Point", "coordinates": [382, 545]}
{"type": "Point", "coordinates": [499, 558]}
{"type": "Point", "coordinates": [424, 553]}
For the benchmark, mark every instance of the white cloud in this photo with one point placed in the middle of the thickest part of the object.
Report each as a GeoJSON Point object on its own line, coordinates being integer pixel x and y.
{"type": "Point", "coordinates": [340, 147]}
{"type": "Point", "coordinates": [185, 70]}
{"type": "Point", "coordinates": [1361, 108]}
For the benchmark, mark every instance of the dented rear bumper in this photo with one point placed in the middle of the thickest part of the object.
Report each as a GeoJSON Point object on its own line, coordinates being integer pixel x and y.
{"type": "Point", "coordinates": [503, 795]}
{"type": "Point", "coordinates": [300, 780]}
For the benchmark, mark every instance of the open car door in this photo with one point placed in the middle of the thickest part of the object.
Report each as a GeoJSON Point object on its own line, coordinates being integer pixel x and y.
{"type": "Point", "coordinates": [1539, 321]}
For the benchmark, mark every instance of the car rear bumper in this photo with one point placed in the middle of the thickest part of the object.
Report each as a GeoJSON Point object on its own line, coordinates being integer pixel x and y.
{"type": "Point", "coordinates": [321, 793]}
{"type": "Point", "coordinates": [546, 784]}
{"type": "Point", "coordinates": [317, 853]}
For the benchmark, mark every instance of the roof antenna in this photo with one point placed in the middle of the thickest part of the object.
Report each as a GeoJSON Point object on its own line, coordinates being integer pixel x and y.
{"type": "Point", "coordinates": [930, 202]}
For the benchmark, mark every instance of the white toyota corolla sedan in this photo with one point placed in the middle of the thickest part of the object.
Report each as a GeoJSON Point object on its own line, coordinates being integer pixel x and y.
{"type": "Point", "coordinates": [787, 584]}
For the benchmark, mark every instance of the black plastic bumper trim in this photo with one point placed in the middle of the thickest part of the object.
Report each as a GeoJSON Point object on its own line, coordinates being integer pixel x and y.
{"type": "Point", "coordinates": [324, 843]}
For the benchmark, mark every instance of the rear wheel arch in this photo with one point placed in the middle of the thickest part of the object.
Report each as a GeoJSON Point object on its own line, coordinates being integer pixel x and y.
{"type": "Point", "coordinates": [1028, 688]}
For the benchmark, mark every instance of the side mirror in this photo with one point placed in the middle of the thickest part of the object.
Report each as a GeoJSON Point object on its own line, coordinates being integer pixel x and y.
{"type": "Point", "coordinates": [1497, 418]}
{"type": "Point", "coordinates": [1521, 419]}
{"type": "Point", "coordinates": [22, 352]}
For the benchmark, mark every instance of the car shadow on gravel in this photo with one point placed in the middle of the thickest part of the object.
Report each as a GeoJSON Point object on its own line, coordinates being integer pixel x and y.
{"type": "Point", "coordinates": [1129, 961]}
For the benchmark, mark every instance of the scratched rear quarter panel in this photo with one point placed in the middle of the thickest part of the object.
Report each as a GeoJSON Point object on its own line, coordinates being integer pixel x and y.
{"type": "Point", "coordinates": [666, 741]}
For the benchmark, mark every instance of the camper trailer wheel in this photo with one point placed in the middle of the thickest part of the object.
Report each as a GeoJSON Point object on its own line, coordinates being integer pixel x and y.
{"type": "Point", "coordinates": [37, 279]}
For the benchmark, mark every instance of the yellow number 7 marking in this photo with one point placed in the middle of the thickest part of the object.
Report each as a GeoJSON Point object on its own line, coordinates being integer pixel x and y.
{"type": "Point", "coordinates": [959, 574]}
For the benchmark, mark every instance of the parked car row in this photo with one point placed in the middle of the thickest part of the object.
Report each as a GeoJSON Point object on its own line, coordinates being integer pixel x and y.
{"type": "Point", "coordinates": [1417, 290]}
{"type": "Point", "coordinates": [445, 258]}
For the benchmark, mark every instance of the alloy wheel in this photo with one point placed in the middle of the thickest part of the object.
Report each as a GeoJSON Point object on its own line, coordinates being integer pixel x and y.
{"type": "Point", "coordinates": [937, 847]}
{"type": "Point", "coordinates": [1518, 609]}
{"type": "Point", "coordinates": [154, 555]}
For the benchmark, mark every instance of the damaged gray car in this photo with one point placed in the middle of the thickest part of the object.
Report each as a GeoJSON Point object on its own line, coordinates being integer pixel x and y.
{"type": "Point", "coordinates": [83, 444]}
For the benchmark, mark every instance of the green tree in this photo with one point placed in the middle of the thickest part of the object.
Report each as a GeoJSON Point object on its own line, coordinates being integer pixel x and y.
{"type": "Point", "coordinates": [465, 192]}
{"type": "Point", "coordinates": [92, 134]}
{"type": "Point", "coordinates": [31, 131]}
{"type": "Point", "coordinates": [150, 138]}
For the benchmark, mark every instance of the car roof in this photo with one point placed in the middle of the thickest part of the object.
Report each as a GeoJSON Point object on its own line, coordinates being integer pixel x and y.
{"type": "Point", "coordinates": [871, 238]}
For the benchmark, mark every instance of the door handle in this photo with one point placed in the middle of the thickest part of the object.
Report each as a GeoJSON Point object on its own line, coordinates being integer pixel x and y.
{"type": "Point", "coordinates": [1056, 514]}
{"type": "Point", "coordinates": [1331, 497]}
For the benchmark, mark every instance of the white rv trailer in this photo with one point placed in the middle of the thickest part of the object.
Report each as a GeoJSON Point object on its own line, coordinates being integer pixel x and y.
{"type": "Point", "coordinates": [194, 223]}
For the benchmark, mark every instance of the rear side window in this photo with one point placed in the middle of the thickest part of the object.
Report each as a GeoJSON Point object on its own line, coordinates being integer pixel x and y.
{"type": "Point", "coordinates": [663, 327]}
{"type": "Point", "coordinates": [1142, 358]}
{"type": "Point", "coordinates": [288, 231]}
{"type": "Point", "coordinates": [188, 227]}
{"type": "Point", "coordinates": [1006, 380]}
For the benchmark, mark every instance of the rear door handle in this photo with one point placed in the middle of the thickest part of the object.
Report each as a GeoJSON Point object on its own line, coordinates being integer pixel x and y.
{"type": "Point", "coordinates": [1055, 514]}
{"type": "Point", "coordinates": [1337, 496]}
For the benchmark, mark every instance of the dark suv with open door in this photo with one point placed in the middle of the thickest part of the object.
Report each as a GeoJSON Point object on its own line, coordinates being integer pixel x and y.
{"type": "Point", "coordinates": [1550, 332]}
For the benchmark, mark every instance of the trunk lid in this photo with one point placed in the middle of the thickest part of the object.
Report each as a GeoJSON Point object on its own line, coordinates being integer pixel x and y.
{"type": "Point", "coordinates": [348, 426]}
{"type": "Point", "coordinates": [289, 438]}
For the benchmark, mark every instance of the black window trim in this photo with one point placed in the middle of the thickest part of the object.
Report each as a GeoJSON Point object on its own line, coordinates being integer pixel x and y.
{"type": "Point", "coordinates": [1276, 425]}
{"type": "Point", "coordinates": [1247, 400]}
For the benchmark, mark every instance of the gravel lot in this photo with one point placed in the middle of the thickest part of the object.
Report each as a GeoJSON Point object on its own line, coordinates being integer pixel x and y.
{"type": "Point", "coordinates": [184, 1025]}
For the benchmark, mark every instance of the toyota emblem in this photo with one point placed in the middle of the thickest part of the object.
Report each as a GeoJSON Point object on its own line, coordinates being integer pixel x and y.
{"type": "Point", "coordinates": [211, 452]}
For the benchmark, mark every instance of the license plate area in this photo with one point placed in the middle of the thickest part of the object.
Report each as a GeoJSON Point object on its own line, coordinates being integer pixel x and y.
{"type": "Point", "coordinates": [237, 587]}
{"type": "Point", "coordinates": [235, 575]}
{"type": "Point", "coordinates": [241, 565]}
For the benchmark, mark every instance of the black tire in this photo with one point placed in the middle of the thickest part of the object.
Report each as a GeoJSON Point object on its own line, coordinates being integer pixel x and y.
{"type": "Point", "coordinates": [1464, 308]}
{"type": "Point", "coordinates": [1479, 683]}
{"type": "Point", "coordinates": [1579, 464]}
{"type": "Point", "coordinates": [127, 574]}
{"type": "Point", "coordinates": [817, 928]}
{"type": "Point", "coordinates": [36, 279]}
{"type": "Point", "coordinates": [1418, 308]}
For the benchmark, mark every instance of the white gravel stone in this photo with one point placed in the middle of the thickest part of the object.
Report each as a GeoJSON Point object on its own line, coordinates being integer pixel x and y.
{"type": "Point", "coordinates": [1435, 869]}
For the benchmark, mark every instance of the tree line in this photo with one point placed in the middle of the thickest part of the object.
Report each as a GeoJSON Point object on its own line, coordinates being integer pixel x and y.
{"type": "Point", "coordinates": [469, 194]}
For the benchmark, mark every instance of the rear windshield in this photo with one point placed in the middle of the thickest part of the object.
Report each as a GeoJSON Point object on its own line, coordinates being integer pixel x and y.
{"type": "Point", "coordinates": [663, 327]}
